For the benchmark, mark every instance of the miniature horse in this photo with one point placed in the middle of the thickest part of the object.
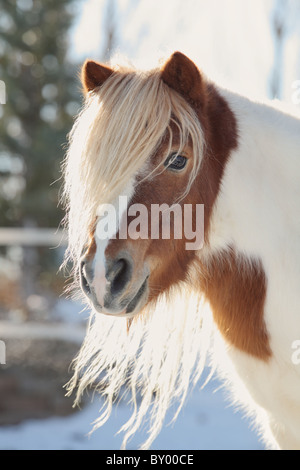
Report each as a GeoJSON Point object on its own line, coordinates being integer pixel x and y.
{"type": "Point", "coordinates": [170, 136]}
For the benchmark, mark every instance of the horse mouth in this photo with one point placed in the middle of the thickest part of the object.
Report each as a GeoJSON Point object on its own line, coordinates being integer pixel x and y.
{"type": "Point", "coordinates": [127, 308]}
{"type": "Point", "coordinates": [137, 298]}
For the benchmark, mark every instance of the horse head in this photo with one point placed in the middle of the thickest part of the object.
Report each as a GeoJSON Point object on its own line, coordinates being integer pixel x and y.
{"type": "Point", "coordinates": [125, 268]}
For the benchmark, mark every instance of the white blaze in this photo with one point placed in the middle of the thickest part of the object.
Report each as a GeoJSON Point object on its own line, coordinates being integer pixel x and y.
{"type": "Point", "coordinates": [106, 230]}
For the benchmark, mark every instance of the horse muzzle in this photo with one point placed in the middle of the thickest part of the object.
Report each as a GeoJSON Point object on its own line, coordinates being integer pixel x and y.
{"type": "Point", "coordinates": [111, 287]}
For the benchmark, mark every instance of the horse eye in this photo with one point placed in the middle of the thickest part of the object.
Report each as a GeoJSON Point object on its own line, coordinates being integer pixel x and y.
{"type": "Point", "coordinates": [175, 162]}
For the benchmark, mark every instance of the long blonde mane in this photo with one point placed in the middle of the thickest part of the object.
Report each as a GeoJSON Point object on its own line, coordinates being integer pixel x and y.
{"type": "Point", "coordinates": [121, 125]}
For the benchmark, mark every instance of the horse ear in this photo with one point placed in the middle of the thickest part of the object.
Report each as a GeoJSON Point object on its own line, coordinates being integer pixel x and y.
{"type": "Point", "coordinates": [94, 74]}
{"type": "Point", "coordinates": [181, 74]}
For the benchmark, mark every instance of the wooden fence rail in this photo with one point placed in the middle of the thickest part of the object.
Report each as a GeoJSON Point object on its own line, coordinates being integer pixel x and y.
{"type": "Point", "coordinates": [32, 237]}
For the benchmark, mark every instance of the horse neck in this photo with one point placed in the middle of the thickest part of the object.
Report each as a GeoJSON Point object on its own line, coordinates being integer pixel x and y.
{"type": "Point", "coordinates": [260, 188]}
{"type": "Point", "coordinates": [252, 257]}
{"type": "Point", "coordinates": [268, 136]}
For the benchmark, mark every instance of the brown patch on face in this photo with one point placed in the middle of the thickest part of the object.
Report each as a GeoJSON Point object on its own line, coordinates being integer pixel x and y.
{"type": "Point", "coordinates": [236, 291]}
{"type": "Point", "coordinates": [169, 260]}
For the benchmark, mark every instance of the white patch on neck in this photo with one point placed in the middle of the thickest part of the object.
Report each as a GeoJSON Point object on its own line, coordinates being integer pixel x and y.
{"type": "Point", "coordinates": [100, 282]}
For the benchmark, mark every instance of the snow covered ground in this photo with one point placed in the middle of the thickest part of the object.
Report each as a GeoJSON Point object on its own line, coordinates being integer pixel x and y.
{"type": "Point", "coordinates": [206, 422]}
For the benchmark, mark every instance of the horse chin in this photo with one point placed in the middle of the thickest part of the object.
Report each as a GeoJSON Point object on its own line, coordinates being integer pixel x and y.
{"type": "Point", "coordinates": [139, 299]}
{"type": "Point", "coordinates": [132, 308]}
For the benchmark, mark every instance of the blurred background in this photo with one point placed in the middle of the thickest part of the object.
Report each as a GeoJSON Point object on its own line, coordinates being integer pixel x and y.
{"type": "Point", "coordinates": [251, 46]}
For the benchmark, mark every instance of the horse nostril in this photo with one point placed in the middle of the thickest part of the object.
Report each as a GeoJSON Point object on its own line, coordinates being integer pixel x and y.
{"type": "Point", "coordinates": [120, 275]}
{"type": "Point", "coordinates": [84, 283]}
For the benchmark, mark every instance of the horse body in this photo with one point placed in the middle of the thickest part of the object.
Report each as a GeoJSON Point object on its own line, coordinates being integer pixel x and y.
{"type": "Point", "coordinates": [256, 214]}
{"type": "Point", "coordinates": [241, 160]}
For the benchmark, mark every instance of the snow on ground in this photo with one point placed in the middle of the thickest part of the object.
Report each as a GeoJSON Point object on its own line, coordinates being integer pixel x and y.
{"type": "Point", "coordinates": [205, 423]}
